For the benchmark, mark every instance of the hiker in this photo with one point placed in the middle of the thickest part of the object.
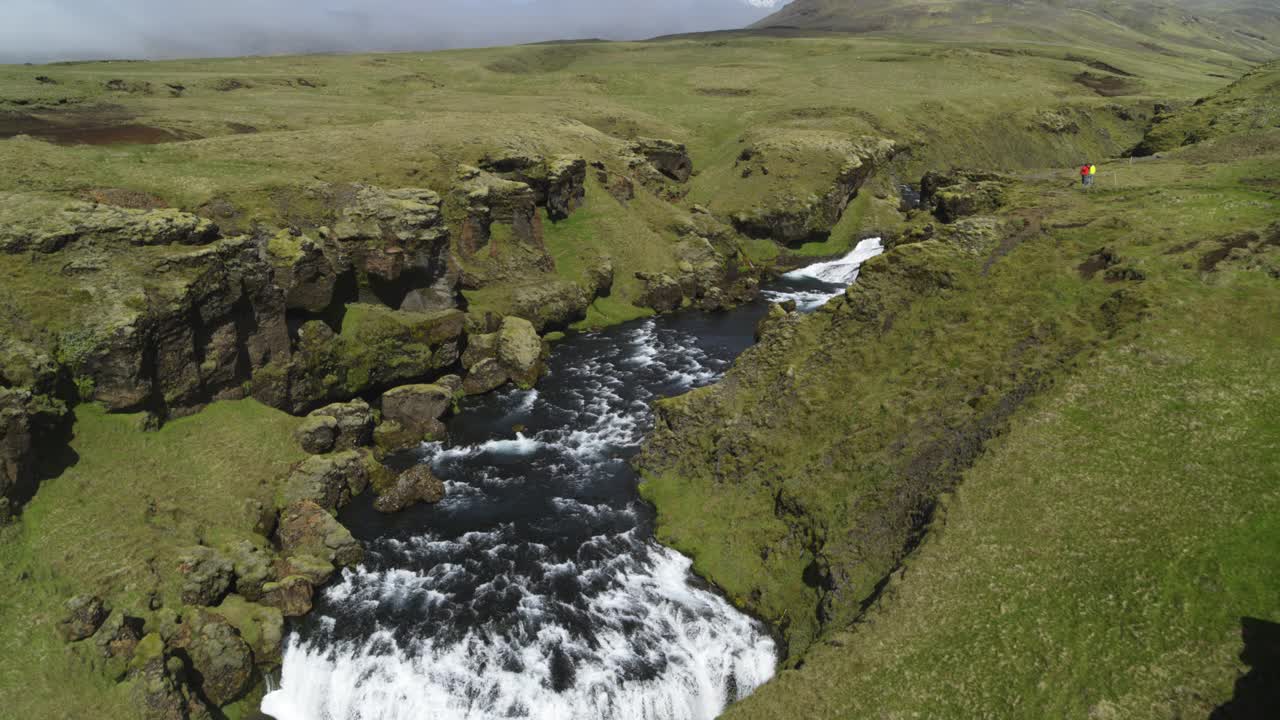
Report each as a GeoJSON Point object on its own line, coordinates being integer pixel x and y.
{"type": "Point", "coordinates": [1093, 170]}
{"type": "Point", "coordinates": [1084, 176]}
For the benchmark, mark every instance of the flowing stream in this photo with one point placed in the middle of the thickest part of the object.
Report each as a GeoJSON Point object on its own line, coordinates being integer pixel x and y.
{"type": "Point", "coordinates": [535, 589]}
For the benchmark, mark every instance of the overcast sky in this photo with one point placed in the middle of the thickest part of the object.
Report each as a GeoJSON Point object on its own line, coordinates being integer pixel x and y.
{"type": "Point", "coordinates": [45, 30]}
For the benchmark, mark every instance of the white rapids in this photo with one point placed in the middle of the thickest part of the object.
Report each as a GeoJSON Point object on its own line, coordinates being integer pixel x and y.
{"type": "Point", "coordinates": [819, 283]}
{"type": "Point", "coordinates": [535, 590]}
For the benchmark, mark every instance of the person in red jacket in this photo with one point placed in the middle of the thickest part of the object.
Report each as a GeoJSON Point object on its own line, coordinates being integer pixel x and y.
{"type": "Point", "coordinates": [1085, 175]}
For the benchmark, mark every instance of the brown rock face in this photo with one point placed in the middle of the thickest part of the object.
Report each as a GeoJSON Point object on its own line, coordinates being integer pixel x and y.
{"type": "Point", "coordinates": [291, 596]}
{"type": "Point", "coordinates": [308, 529]}
{"type": "Point", "coordinates": [415, 485]}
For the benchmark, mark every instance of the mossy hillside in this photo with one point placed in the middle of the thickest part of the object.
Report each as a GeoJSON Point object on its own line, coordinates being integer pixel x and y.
{"type": "Point", "coordinates": [930, 354]}
{"type": "Point", "coordinates": [408, 120]}
{"type": "Point", "coordinates": [1251, 103]}
{"type": "Point", "coordinates": [1128, 517]}
{"type": "Point", "coordinates": [113, 522]}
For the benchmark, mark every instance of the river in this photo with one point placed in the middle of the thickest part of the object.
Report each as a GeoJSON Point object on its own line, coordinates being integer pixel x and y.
{"type": "Point", "coordinates": [535, 589]}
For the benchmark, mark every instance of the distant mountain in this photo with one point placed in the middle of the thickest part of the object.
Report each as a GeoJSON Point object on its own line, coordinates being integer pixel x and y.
{"type": "Point", "coordinates": [1248, 29]}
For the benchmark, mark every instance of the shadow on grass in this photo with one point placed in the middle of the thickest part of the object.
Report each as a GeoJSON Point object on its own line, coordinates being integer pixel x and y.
{"type": "Point", "coordinates": [1257, 695]}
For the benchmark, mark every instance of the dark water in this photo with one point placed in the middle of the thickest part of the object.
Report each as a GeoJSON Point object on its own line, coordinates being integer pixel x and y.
{"type": "Point", "coordinates": [535, 589]}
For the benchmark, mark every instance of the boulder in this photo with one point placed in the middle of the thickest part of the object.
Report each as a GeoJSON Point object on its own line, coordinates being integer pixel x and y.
{"type": "Point", "coordinates": [520, 350]}
{"type": "Point", "coordinates": [391, 437]}
{"type": "Point", "coordinates": [415, 485]}
{"type": "Point", "coordinates": [159, 692]}
{"type": "Point", "coordinates": [487, 375]}
{"type": "Point", "coordinates": [253, 568]}
{"type": "Point", "coordinates": [84, 615]}
{"type": "Point", "coordinates": [662, 292]}
{"type": "Point", "coordinates": [951, 196]}
{"type": "Point", "coordinates": [480, 347]}
{"type": "Point", "coordinates": [354, 423]}
{"type": "Point", "coordinates": [222, 660]}
{"type": "Point", "coordinates": [308, 529]}
{"type": "Point", "coordinates": [452, 383]}
{"type": "Point", "coordinates": [261, 627]}
{"type": "Point", "coordinates": [291, 596]}
{"type": "Point", "coordinates": [317, 434]}
{"type": "Point", "coordinates": [315, 570]}
{"type": "Point", "coordinates": [329, 481]}
{"type": "Point", "coordinates": [550, 303]}
{"type": "Point", "coordinates": [417, 409]}
{"type": "Point", "coordinates": [206, 576]}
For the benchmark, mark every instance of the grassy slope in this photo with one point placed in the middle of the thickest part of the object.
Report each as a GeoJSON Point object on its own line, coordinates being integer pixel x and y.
{"type": "Point", "coordinates": [1098, 561]}
{"type": "Point", "coordinates": [407, 120]}
{"type": "Point", "coordinates": [131, 499]}
{"type": "Point", "coordinates": [994, 624]}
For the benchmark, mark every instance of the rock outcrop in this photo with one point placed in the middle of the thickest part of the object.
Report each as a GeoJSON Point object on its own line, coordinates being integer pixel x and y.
{"type": "Point", "coordinates": [415, 485]}
{"type": "Point", "coordinates": [558, 183]}
{"type": "Point", "coordinates": [951, 196]}
{"type": "Point", "coordinates": [221, 659]}
{"type": "Point", "coordinates": [329, 481]}
{"type": "Point", "coordinates": [308, 529]}
{"type": "Point", "coordinates": [353, 423]}
{"type": "Point", "coordinates": [412, 413]}
{"type": "Point", "coordinates": [513, 353]}
{"type": "Point", "coordinates": [666, 157]}
{"type": "Point", "coordinates": [792, 215]}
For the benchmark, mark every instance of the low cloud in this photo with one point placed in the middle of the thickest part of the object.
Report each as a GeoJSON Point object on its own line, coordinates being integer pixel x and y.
{"type": "Point", "coordinates": [48, 30]}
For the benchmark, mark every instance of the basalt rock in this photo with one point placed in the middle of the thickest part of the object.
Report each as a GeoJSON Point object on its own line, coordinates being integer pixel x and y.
{"type": "Point", "coordinates": [308, 529]}
{"type": "Point", "coordinates": [520, 350]}
{"type": "Point", "coordinates": [667, 157]}
{"type": "Point", "coordinates": [317, 434]}
{"type": "Point", "coordinates": [291, 596]}
{"type": "Point", "coordinates": [661, 291]}
{"type": "Point", "coordinates": [558, 183]}
{"type": "Point", "coordinates": [485, 376]}
{"type": "Point", "coordinates": [84, 614]}
{"type": "Point", "coordinates": [397, 243]}
{"type": "Point", "coordinates": [415, 485]}
{"type": "Point", "coordinates": [487, 200]}
{"type": "Point", "coordinates": [957, 194]}
{"type": "Point", "coordinates": [552, 303]}
{"type": "Point", "coordinates": [221, 660]}
{"type": "Point", "coordinates": [253, 568]}
{"type": "Point", "coordinates": [378, 349]}
{"type": "Point", "coordinates": [206, 576]}
{"type": "Point", "coordinates": [215, 317]}
{"type": "Point", "coordinates": [308, 276]}
{"type": "Point", "coordinates": [417, 409]}
{"type": "Point", "coordinates": [354, 423]}
{"type": "Point", "coordinates": [159, 692]}
{"type": "Point", "coordinates": [329, 481]}
{"type": "Point", "coordinates": [106, 225]}
{"type": "Point", "coordinates": [116, 641]}
{"type": "Point", "coordinates": [261, 627]}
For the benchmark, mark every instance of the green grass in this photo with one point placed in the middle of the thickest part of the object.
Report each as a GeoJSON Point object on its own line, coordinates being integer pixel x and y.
{"type": "Point", "coordinates": [1099, 560]}
{"type": "Point", "coordinates": [131, 501]}
{"type": "Point", "coordinates": [1058, 593]}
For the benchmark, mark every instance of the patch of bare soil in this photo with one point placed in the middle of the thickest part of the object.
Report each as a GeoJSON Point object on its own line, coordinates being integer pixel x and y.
{"type": "Point", "coordinates": [1107, 85]}
{"type": "Point", "coordinates": [87, 128]}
